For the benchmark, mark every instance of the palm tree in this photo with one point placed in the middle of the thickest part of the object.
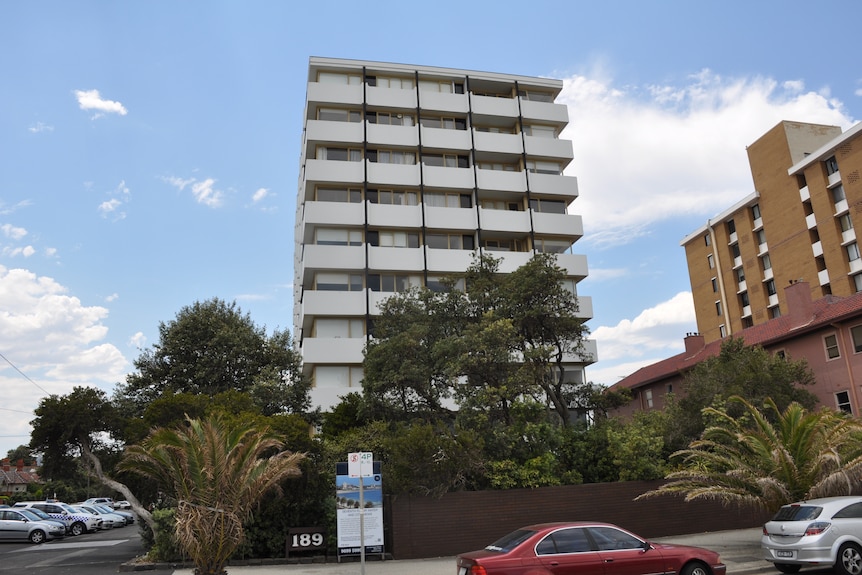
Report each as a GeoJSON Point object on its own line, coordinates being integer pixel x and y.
{"type": "Point", "coordinates": [757, 462]}
{"type": "Point", "coordinates": [216, 473]}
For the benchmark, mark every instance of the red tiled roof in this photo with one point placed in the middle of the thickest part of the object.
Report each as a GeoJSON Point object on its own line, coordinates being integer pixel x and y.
{"type": "Point", "coordinates": [823, 312]}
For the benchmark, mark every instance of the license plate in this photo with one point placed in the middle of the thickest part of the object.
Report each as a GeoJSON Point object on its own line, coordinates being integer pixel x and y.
{"type": "Point", "coordinates": [784, 553]}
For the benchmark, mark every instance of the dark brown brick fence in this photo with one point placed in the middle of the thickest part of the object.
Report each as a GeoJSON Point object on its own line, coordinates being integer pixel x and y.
{"type": "Point", "coordinates": [419, 527]}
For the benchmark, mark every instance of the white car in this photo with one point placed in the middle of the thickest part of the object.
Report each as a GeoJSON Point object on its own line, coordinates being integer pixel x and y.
{"type": "Point", "coordinates": [122, 504]}
{"type": "Point", "coordinates": [823, 532]}
{"type": "Point", "coordinates": [109, 520]}
{"type": "Point", "coordinates": [76, 522]}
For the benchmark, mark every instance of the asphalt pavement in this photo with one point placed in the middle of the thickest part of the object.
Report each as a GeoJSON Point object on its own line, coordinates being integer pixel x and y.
{"type": "Point", "coordinates": [739, 549]}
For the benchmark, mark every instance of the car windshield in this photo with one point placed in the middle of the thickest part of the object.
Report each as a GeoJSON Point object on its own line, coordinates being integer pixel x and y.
{"type": "Point", "coordinates": [38, 513]}
{"type": "Point", "coordinates": [103, 509]}
{"type": "Point", "coordinates": [510, 541]}
{"type": "Point", "coordinates": [68, 507]}
{"type": "Point", "coordinates": [797, 513]}
{"type": "Point", "coordinates": [29, 515]}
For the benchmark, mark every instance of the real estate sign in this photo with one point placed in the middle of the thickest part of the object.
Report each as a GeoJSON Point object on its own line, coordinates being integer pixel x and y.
{"type": "Point", "coordinates": [359, 507]}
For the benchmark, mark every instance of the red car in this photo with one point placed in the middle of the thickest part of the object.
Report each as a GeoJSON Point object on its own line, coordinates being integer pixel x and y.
{"type": "Point", "coordinates": [586, 548]}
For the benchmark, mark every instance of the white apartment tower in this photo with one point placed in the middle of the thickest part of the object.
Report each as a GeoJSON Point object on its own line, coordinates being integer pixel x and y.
{"type": "Point", "coordinates": [405, 172]}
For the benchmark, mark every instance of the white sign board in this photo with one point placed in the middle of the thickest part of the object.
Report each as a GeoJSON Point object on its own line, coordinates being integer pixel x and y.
{"type": "Point", "coordinates": [360, 464]}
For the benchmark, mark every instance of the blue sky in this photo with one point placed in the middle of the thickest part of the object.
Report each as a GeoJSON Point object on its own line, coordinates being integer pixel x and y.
{"type": "Point", "coordinates": [149, 152]}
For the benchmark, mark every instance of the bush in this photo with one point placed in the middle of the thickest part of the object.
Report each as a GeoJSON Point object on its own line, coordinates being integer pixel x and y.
{"type": "Point", "coordinates": [164, 547]}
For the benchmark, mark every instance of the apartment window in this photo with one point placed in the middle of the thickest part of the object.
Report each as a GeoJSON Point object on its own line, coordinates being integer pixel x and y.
{"type": "Point", "coordinates": [718, 308]}
{"type": "Point", "coordinates": [837, 194]}
{"type": "Point", "coordinates": [755, 212]}
{"type": "Point", "coordinates": [392, 157]}
{"type": "Point", "coordinates": [339, 78]}
{"type": "Point", "coordinates": [547, 246]}
{"type": "Point", "coordinates": [393, 197]}
{"type": "Point", "coordinates": [339, 115]}
{"type": "Point", "coordinates": [842, 401]}
{"type": "Point", "coordinates": [538, 167]}
{"type": "Point", "coordinates": [536, 96]}
{"type": "Point", "coordinates": [390, 119]}
{"type": "Point", "coordinates": [774, 312]}
{"type": "Point", "coordinates": [734, 251]}
{"type": "Point", "coordinates": [539, 131]}
{"type": "Point", "coordinates": [857, 282]}
{"type": "Point", "coordinates": [765, 262]}
{"type": "Point", "coordinates": [714, 285]}
{"type": "Point", "coordinates": [340, 154]}
{"type": "Point", "coordinates": [548, 206]}
{"type": "Point", "coordinates": [447, 200]}
{"type": "Point", "coordinates": [852, 251]}
{"type": "Point", "coordinates": [443, 123]}
{"type": "Point", "coordinates": [446, 160]}
{"type": "Point", "coordinates": [831, 343]}
{"type": "Point", "coordinates": [344, 195]}
{"type": "Point", "coordinates": [450, 241]}
{"type": "Point", "coordinates": [706, 240]}
{"type": "Point", "coordinates": [743, 299]}
{"type": "Point", "coordinates": [504, 205]}
{"type": "Point", "coordinates": [740, 274]}
{"type": "Point", "coordinates": [495, 129]}
{"type": "Point", "coordinates": [761, 237]}
{"type": "Point", "coordinates": [770, 287]}
{"type": "Point", "coordinates": [329, 281]}
{"type": "Point", "coordinates": [445, 284]}
{"type": "Point", "coordinates": [391, 283]}
{"type": "Point", "coordinates": [731, 227]}
{"type": "Point", "coordinates": [669, 388]}
{"type": "Point", "coordinates": [648, 397]}
{"type": "Point", "coordinates": [503, 245]}
{"type": "Point", "coordinates": [831, 165]}
{"type": "Point", "coordinates": [498, 166]}
{"type": "Point", "coordinates": [337, 237]}
{"type": "Point", "coordinates": [393, 239]}
{"type": "Point", "coordinates": [337, 376]}
{"type": "Point", "coordinates": [711, 261]}
{"type": "Point", "coordinates": [342, 327]}
{"type": "Point", "coordinates": [856, 335]}
{"type": "Point", "coordinates": [845, 222]}
{"type": "Point", "coordinates": [392, 82]}
{"type": "Point", "coordinates": [443, 86]}
{"type": "Point", "coordinates": [722, 331]}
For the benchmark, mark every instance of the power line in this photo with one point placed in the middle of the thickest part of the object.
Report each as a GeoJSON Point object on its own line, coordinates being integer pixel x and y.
{"type": "Point", "coordinates": [15, 367]}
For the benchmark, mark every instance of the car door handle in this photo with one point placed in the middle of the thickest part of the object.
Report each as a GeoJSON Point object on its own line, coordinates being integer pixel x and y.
{"type": "Point", "coordinates": [609, 560]}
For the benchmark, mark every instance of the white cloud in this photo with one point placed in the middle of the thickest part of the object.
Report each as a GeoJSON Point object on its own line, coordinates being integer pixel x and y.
{"type": "Point", "coordinates": [203, 191]}
{"type": "Point", "coordinates": [91, 100]}
{"type": "Point", "coordinates": [25, 251]}
{"type": "Point", "coordinates": [259, 195]}
{"type": "Point", "coordinates": [56, 343]}
{"type": "Point", "coordinates": [138, 340]}
{"type": "Point", "coordinates": [13, 232]}
{"type": "Point", "coordinates": [643, 155]}
{"type": "Point", "coordinates": [40, 127]}
{"type": "Point", "coordinates": [109, 206]}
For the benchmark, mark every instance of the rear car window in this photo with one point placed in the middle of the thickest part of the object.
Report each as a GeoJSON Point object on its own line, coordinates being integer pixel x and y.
{"type": "Point", "coordinates": [797, 513]}
{"type": "Point", "coordinates": [510, 541]}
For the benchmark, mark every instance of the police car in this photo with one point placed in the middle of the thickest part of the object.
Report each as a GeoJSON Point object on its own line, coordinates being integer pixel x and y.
{"type": "Point", "coordinates": [76, 522]}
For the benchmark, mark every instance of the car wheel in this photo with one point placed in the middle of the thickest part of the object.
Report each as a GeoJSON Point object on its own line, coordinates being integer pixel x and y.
{"type": "Point", "coordinates": [849, 560]}
{"type": "Point", "coordinates": [695, 568]}
{"type": "Point", "coordinates": [37, 536]}
{"type": "Point", "coordinates": [785, 568]}
{"type": "Point", "coordinates": [77, 528]}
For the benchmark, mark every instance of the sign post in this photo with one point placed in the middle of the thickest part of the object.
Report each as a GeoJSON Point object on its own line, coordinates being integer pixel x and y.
{"type": "Point", "coordinates": [361, 465]}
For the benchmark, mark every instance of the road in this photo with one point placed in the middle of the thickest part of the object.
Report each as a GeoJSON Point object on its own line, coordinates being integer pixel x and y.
{"type": "Point", "coordinates": [98, 553]}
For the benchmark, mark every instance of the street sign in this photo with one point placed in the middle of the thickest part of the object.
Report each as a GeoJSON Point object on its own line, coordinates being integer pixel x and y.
{"type": "Point", "coordinates": [360, 464]}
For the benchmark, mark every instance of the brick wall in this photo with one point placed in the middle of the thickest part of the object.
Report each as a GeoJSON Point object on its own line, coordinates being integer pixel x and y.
{"type": "Point", "coordinates": [419, 527]}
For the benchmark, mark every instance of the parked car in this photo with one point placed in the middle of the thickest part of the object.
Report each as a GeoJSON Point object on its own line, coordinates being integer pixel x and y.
{"type": "Point", "coordinates": [17, 525]}
{"type": "Point", "coordinates": [100, 500]}
{"type": "Point", "coordinates": [824, 532]}
{"type": "Point", "coordinates": [42, 516]}
{"type": "Point", "coordinates": [109, 521]}
{"type": "Point", "coordinates": [122, 504]}
{"type": "Point", "coordinates": [550, 548]}
{"type": "Point", "coordinates": [76, 522]}
{"type": "Point", "coordinates": [128, 518]}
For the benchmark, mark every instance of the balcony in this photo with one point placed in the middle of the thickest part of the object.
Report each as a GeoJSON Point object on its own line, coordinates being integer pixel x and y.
{"type": "Point", "coordinates": [448, 261]}
{"type": "Point", "coordinates": [841, 207]}
{"type": "Point", "coordinates": [569, 225]}
{"type": "Point", "coordinates": [804, 194]}
{"type": "Point", "coordinates": [393, 136]}
{"type": "Point", "coordinates": [385, 215]}
{"type": "Point", "coordinates": [504, 220]}
{"type": "Point", "coordinates": [817, 249]}
{"type": "Point", "coordinates": [322, 171]}
{"type": "Point", "coordinates": [499, 143]}
{"type": "Point", "coordinates": [545, 112]}
{"type": "Point", "coordinates": [323, 349]}
{"type": "Point", "coordinates": [326, 131]}
{"type": "Point", "coordinates": [334, 94]}
{"type": "Point", "coordinates": [848, 236]}
{"type": "Point", "coordinates": [773, 300]}
{"type": "Point", "coordinates": [811, 221]}
{"type": "Point", "coordinates": [332, 214]}
{"type": "Point", "coordinates": [585, 307]}
{"type": "Point", "coordinates": [823, 277]}
{"type": "Point", "coordinates": [444, 102]}
{"type": "Point", "coordinates": [440, 177]}
{"type": "Point", "coordinates": [451, 218]}
{"type": "Point", "coordinates": [318, 258]}
{"type": "Point", "coordinates": [401, 259]}
{"type": "Point", "coordinates": [445, 139]}
{"type": "Point", "coordinates": [834, 178]}
{"type": "Point", "coordinates": [501, 181]}
{"type": "Point", "coordinates": [548, 148]}
{"type": "Point", "coordinates": [490, 106]}
{"type": "Point", "coordinates": [332, 304]}
{"type": "Point", "coordinates": [566, 187]}
{"type": "Point", "coordinates": [393, 174]}
{"type": "Point", "coordinates": [391, 97]}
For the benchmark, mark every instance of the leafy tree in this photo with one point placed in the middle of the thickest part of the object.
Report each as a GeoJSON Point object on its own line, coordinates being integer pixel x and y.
{"type": "Point", "coordinates": [216, 473]}
{"type": "Point", "coordinates": [21, 452]}
{"type": "Point", "coordinates": [749, 372]}
{"type": "Point", "coordinates": [765, 459]}
{"type": "Point", "coordinates": [213, 347]}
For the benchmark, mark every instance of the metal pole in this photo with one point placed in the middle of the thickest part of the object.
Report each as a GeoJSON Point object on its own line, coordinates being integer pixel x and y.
{"type": "Point", "coordinates": [361, 525]}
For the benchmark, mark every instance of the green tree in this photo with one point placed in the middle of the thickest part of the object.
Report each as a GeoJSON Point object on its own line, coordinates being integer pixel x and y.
{"type": "Point", "coordinates": [765, 459]}
{"type": "Point", "coordinates": [216, 474]}
{"type": "Point", "coordinates": [749, 372]}
{"type": "Point", "coordinates": [213, 347]}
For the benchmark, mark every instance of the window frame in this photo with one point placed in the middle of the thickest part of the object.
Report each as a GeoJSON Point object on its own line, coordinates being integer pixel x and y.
{"type": "Point", "coordinates": [831, 348]}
